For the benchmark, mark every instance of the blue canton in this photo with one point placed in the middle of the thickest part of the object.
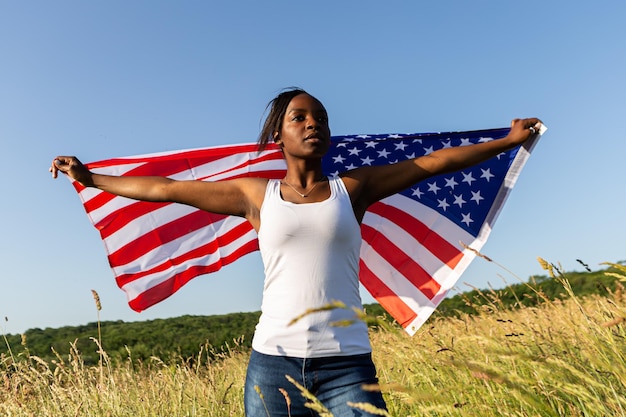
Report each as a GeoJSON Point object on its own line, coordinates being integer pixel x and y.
{"type": "Point", "coordinates": [464, 197]}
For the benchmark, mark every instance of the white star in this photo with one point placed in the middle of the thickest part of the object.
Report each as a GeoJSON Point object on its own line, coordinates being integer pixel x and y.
{"type": "Point", "coordinates": [383, 153]}
{"type": "Point", "coordinates": [465, 142]}
{"type": "Point", "coordinates": [417, 192]}
{"type": "Point", "coordinates": [371, 144]}
{"type": "Point", "coordinates": [354, 151]}
{"type": "Point", "coordinates": [367, 161]}
{"type": "Point", "coordinates": [349, 167]}
{"type": "Point", "coordinates": [412, 156]}
{"type": "Point", "coordinates": [417, 141]}
{"type": "Point", "coordinates": [485, 139]}
{"type": "Point", "coordinates": [468, 178]}
{"type": "Point", "coordinates": [432, 186]}
{"type": "Point", "coordinates": [342, 144]}
{"type": "Point", "coordinates": [466, 219]}
{"type": "Point", "coordinates": [394, 136]}
{"type": "Point", "coordinates": [428, 151]}
{"type": "Point", "coordinates": [476, 197]}
{"type": "Point", "coordinates": [487, 174]}
{"type": "Point", "coordinates": [339, 159]}
{"type": "Point", "coordinates": [450, 182]}
{"type": "Point", "coordinates": [458, 199]}
{"type": "Point", "coordinates": [400, 146]}
{"type": "Point", "coordinates": [363, 136]}
{"type": "Point", "coordinates": [335, 174]}
{"type": "Point", "coordinates": [443, 204]}
{"type": "Point", "coordinates": [447, 145]}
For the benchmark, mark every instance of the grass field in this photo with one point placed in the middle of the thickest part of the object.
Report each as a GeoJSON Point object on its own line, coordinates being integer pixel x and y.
{"type": "Point", "coordinates": [564, 358]}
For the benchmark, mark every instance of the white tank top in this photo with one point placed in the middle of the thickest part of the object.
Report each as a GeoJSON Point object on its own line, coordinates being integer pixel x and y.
{"type": "Point", "coordinates": [311, 258]}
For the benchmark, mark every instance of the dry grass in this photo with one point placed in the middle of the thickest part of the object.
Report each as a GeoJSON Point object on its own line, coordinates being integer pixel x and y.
{"type": "Point", "coordinates": [564, 358]}
{"type": "Point", "coordinates": [201, 387]}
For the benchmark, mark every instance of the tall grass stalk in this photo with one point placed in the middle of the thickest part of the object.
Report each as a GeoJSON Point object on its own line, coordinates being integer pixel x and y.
{"type": "Point", "coordinates": [6, 341]}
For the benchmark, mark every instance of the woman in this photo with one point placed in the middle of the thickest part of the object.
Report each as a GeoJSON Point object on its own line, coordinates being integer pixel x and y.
{"type": "Point", "coordinates": [309, 238]}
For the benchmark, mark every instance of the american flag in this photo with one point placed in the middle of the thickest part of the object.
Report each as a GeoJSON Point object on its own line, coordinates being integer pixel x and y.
{"type": "Point", "coordinates": [415, 243]}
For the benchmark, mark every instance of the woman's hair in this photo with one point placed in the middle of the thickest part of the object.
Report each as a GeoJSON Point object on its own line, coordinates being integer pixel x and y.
{"type": "Point", "coordinates": [274, 120]}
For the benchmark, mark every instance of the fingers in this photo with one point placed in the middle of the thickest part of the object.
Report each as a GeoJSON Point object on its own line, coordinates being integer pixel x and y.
{"type": "Point", "coordinates": [524, 129]}
{"type": "Point", "coordinates": [54, 168]}
{"type": "Point", "coordinates": [532, 124]}
{"type": "Point", "coordinates": [61, 163]}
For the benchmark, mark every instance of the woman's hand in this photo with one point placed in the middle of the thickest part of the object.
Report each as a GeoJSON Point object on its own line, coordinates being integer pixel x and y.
{"type": "Point", "coordinates": [73, 168]}
{"type": "Point", "coordinates": [522, 130]}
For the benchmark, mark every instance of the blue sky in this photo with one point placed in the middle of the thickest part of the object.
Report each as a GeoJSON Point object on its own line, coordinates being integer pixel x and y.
{"type": "Point", "coordinates": [117, 78]}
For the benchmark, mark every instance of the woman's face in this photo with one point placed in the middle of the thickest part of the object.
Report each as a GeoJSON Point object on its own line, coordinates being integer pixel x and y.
{"type": "Point", "coordinates": [305, 131]}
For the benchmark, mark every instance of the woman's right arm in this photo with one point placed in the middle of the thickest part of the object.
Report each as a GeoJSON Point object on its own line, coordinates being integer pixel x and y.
{"type": "Point", "coordinates": [240, 197]}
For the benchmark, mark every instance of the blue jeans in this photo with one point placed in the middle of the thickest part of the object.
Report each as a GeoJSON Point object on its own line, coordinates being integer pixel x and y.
{"type": "Point", "coordinates": [334, 381]}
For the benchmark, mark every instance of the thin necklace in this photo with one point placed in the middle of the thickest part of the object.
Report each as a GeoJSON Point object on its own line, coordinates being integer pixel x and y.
{"type": "Point", "coordinates": [306, 192]}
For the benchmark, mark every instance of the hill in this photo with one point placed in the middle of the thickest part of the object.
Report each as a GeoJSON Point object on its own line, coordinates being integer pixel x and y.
{"type": "Point", "coordinates": [186, 336]}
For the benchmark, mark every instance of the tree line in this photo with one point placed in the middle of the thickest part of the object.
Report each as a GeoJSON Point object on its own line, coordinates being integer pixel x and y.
{"type": "Point", "coordinates": [188, 336]}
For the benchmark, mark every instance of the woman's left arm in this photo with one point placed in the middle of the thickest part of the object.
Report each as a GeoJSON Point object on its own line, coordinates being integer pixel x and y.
{"type": "Point", "coordinates": [368, 185]}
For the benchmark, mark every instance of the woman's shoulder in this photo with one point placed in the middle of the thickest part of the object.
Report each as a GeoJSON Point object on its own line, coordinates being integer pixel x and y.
{"type": "Point", "coordinates": [252, 184]}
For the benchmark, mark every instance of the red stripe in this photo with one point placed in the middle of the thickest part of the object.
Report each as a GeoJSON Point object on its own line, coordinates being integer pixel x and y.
{"type": "Point", "coordinates": [206, 249]}
{"type": "Point", "coordinates": [387, 298]}
{"type": "Point", "coordinates": [162, 169]}
{"type": "Point", "coordinates": [217, 152]}
{"type": "Point", "coordinates": [436, 244]}
{"type": "Point", "coordinates": [165, 289]}
{"type": "Point", "coordinates": [170, 166]}
{"type": "Point", "coordinates": [78, 187]}
{"type": "Point", "coordinates": [250, 164]}
{"type": "Point", "coordinates": [400, 261]}
{"type": "Point", "coordinates": [162, 235]}
{"type": "Point", "coordinates": [121, 217]}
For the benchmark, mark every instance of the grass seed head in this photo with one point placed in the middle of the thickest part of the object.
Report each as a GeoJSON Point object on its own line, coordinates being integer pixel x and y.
{"type": "Point", "coordinates": [96, 297]}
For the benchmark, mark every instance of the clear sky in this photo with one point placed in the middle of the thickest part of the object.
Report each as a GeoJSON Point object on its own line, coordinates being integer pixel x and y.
{"type": "Point", "coordinates": [119, 78]}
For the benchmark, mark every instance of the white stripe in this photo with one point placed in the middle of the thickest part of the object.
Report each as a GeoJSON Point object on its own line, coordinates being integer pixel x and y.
{"type": "Point", "coordinates": [146, 224]}
{"type": "Point", "coordinates": [410, 246]}
{"type": "Point", "coordinates": [393, 279]}
{"type": "Point", "coordinates": [399, 284]}
{"type": "Point", "coordinates": [115, 204]}
{"type": "Point", "coordinates": [156, 156]}
{"type": "Point", "coordinates": [276, 164]}
{"type": "Point", "coordinates": [179, 246]}
{"type": "Point", "coordinates": [223, 167]}
{"type": "Point", "coordinates": [117, 169]}
{"type": "Point", "coordinates": [431, 218]}
{"type": "Point", "coordinates": [135, 288]}
{"type": "Point", "coordinates": [118, 203]}
{"type": "Point", "coordinates": [423, 315]}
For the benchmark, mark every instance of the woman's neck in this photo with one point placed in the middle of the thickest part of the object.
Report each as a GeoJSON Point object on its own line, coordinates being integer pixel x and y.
{"type": "Point", "coordinates": [303, 173]}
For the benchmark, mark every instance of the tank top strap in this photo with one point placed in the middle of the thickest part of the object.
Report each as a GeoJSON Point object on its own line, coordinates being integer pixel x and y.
{"type": "Point", "coordinates": [338, 188]}
{"type": "Point", "coordinates": [272, 189]}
